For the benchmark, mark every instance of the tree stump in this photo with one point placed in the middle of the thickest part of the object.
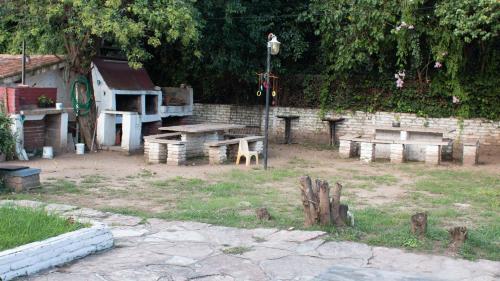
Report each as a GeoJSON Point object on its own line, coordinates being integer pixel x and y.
{"type": "Point", "coordinates": [263, 214]}
{"type": "Point", "coordinates": [318, 206]}
{"type": "Point", "coordinates": [419, 224]}
{"type": "Point", "coordinates": [458, 236]}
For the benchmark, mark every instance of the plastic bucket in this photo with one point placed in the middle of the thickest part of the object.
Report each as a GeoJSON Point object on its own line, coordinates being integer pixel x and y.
{"type": "Point", "coordinates": [80, 148]}
{"type": "Point", "coordinates": [59, 105]}
{"type": "Point", "coordinates": [48, 152]}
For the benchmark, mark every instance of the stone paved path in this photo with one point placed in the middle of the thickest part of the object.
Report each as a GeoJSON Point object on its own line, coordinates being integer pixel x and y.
{"type": "Point", "coordinates": [171, 250]}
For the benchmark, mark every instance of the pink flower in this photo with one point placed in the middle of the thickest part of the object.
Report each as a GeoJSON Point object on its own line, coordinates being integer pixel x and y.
{"type": "Point", "coordinates": [402, 74]}
{"type": "Point", "coordinates": [444, 54]}
{"type": "Point", "coordinates": [398, 28]}
{"type": "Point", "coordinates": [411, 26]}
{"type": "Point", "coordinates": [456, 99]}
{"type": "Point", "coordinates": [438, 65]}
{"type": "Point", "coordinates": [399, 83]}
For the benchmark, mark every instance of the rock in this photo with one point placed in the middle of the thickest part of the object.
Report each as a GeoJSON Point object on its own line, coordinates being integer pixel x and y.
{"type": "Point", "coordinates": [263, 214]}
{"type": "Point", "coordinates": [184, 235]}
{"type": "Point", "coordinates": [346, 250]}
{"type": "Point", "coordinates": [121, 232]}
{"type": "Point", "coordinates": [121, 220]}
{"type": "Point", "coordinates": [296, 235]}
{"type": "Point", "coordinates": [181, 261]}
{"type": "Point", "coordinates": [59, 208]}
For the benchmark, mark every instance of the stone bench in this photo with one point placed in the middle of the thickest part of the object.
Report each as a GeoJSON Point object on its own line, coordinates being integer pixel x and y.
{"type": "Point", "coordinates": [397, 148]}
{"type": "Point", "coordinates": [470, 152]}
{"type": "Point", "coordinates": [218, 150]}
{"type": "Point", "coordinates": [159, 154]}
{"type": "Point", "coordinates": [173, 152]}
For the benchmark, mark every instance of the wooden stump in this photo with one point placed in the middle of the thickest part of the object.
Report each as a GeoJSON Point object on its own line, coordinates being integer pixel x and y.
{"type": "Point", "coordinates": [263, 214]}
{"type": "Point", "coordinates": [318, 206]}
{"type": "Point", "coordinates": [458, 236]}
{"type": "Point", "coordinates": [419, 224]}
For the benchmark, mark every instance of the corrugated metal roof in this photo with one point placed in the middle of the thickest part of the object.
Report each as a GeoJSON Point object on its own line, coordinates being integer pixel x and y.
{"type": "Point", "coordinates": [10, 65]}
{"type": "Point", "coordinates": [119, 75]}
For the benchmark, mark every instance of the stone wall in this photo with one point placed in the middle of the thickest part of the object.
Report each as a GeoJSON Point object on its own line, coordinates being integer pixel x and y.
{"type": "Point", "coordinates": [310, 126]}
{"type": "Point", "coordinates": [37, 256]}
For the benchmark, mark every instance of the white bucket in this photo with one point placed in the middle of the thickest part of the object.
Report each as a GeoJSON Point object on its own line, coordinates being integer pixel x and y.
{"type": "Point", "coordinates": [59, 105]}
{"type": "Point", "coordinates": [80, 148]}
{"type": "Point", "coordinates": [48, 152]}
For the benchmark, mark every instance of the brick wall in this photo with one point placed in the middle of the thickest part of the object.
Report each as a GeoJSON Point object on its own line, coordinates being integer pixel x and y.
{"type": "Point", "coordinates": [310, 126]}
{"type": "Point", "coordinates": [19, 98]}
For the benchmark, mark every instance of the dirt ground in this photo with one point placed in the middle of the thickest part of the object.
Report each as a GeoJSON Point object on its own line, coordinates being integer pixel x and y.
{"type": "Point", "coordinates": [114, 173]}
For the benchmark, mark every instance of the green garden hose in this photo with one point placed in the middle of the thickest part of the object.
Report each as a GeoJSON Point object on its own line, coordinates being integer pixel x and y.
{"type": "Point", "coordinates": [81, 108]}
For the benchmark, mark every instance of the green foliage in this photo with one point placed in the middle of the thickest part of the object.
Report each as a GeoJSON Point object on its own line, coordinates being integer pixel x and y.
{"type": "Point", "coordinates": [446, 48]}
{"type": "Point", "coordinates": [76, 27]}
{"type": "Point", "coordinates": [44, 101]}
{"type": "Point", "coordinates": [7, 140]}
{"type": "Point", "coordinates": [336, 54]}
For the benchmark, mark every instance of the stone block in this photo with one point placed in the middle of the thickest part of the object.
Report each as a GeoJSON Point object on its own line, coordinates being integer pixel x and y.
{"type": "Point", "coordinates": [470, 154]}
{"type": "Point", "coordinates": [345, 148]}
{"type": "Point", "coordinates": [367, 152]}
{"type": "Point", "coordinates": [433, 154]}
{"type": "Point", "coordinates": [397, 153]}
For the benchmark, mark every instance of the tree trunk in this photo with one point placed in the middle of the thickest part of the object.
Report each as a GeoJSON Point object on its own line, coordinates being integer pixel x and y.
{"type": "Point", "coordinates": [318, 207]}
{"type": "Point", "coordinates": [87, 122]}
{"type": "Point", "coordinates": [337, 219]}
{"type": "Point", "coordinates": [308, 201]}
{"type": "Point", "coordinates": [458, 236]}
{"type": "Point", "coordinates": [419, 224]}
{"type": "Point", "coordinates": [324, 202]}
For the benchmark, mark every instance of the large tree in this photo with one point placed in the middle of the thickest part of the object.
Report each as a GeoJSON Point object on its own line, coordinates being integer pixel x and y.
{"type": "Point", "coordinates": [76, 28]}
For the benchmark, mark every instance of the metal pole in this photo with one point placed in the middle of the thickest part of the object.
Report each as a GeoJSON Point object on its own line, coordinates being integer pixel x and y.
{"type": "Point", "coordinates": [23, 65]}
{"type": "Point", "coordinates": [266, 136]}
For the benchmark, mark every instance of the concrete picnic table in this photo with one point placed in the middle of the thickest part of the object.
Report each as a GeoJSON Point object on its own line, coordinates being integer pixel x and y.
{"type": "Point", "coordinates": [414, 152]}
{"type": "Point", "coordinates": [288, 126]}
{"type": "Point", "coordinates": [196, 135]}
{"type": "Point", "coordinates": [332, 122]}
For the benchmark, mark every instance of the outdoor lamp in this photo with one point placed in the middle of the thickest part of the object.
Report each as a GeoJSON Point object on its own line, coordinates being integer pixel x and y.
{"type": "Point", "coordinates": [273, 48]}
{"type": "Point", "coordinates": [274, 44]}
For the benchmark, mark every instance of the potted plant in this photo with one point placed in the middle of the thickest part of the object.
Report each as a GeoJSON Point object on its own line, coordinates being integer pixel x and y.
{"type": "Point", "coordinates": [396, 122]}
{"type": "Point", "coordinates": [44, 101]}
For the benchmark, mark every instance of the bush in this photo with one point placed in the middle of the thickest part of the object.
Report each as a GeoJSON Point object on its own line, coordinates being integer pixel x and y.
{"type": "Point", "coordinates": [7, 139]}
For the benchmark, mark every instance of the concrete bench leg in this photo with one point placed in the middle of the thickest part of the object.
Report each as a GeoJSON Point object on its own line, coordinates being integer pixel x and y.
{"type": "Point", "coordinates": [217, 154]}
{"type": "Point", "coordinates": [176, 155]}
{"type": "Point", "coordinates": [256, 146]}
{"type": "Point", "coordinates": [433, 154]}
{"type": "Point", "coordinates": [345, 148]}
{"type": "Point", "coordinates": [367, 153]}
{"type": "Point", "coordinates": [397, 153]}
{"type": "Point", "coordinates": [157, 153]}
{"type": "Point", "coordinates": [470, 155]}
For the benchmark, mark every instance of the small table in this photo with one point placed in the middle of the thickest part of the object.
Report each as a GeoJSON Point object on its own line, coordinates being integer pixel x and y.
{"type": "Point", "coordinates": [333, 123]}
{"type": "Point", "coordinates": [288, 126]}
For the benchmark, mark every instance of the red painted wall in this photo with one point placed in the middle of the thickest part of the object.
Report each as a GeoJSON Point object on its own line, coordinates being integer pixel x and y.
{"type": "Point", "coordinates": [21, 98]}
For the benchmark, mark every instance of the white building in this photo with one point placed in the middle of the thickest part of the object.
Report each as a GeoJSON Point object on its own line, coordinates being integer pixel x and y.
{"type": "Point", "coordinates": [129, 105]}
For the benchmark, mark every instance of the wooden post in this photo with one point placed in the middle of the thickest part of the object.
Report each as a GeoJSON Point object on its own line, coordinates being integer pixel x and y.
{"type": "Point", "coordinates": [337, 219]}
{"type": "Point", "coordinates": [308, 201]}
{"type": "Point", "coordinates": [324, 202]}
{"type": "Point", "coordinates": [319, 207]}
{"type": "Point", "coordinates": [419, 224]}
{"type": "Point", "coordinates": [458, 236]}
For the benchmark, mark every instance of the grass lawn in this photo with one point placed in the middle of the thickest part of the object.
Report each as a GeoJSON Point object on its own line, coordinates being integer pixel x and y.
{"type": "Point", "coordinates": [382, 197]}
{"type": "Point", "coordinates": [19, 226]}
